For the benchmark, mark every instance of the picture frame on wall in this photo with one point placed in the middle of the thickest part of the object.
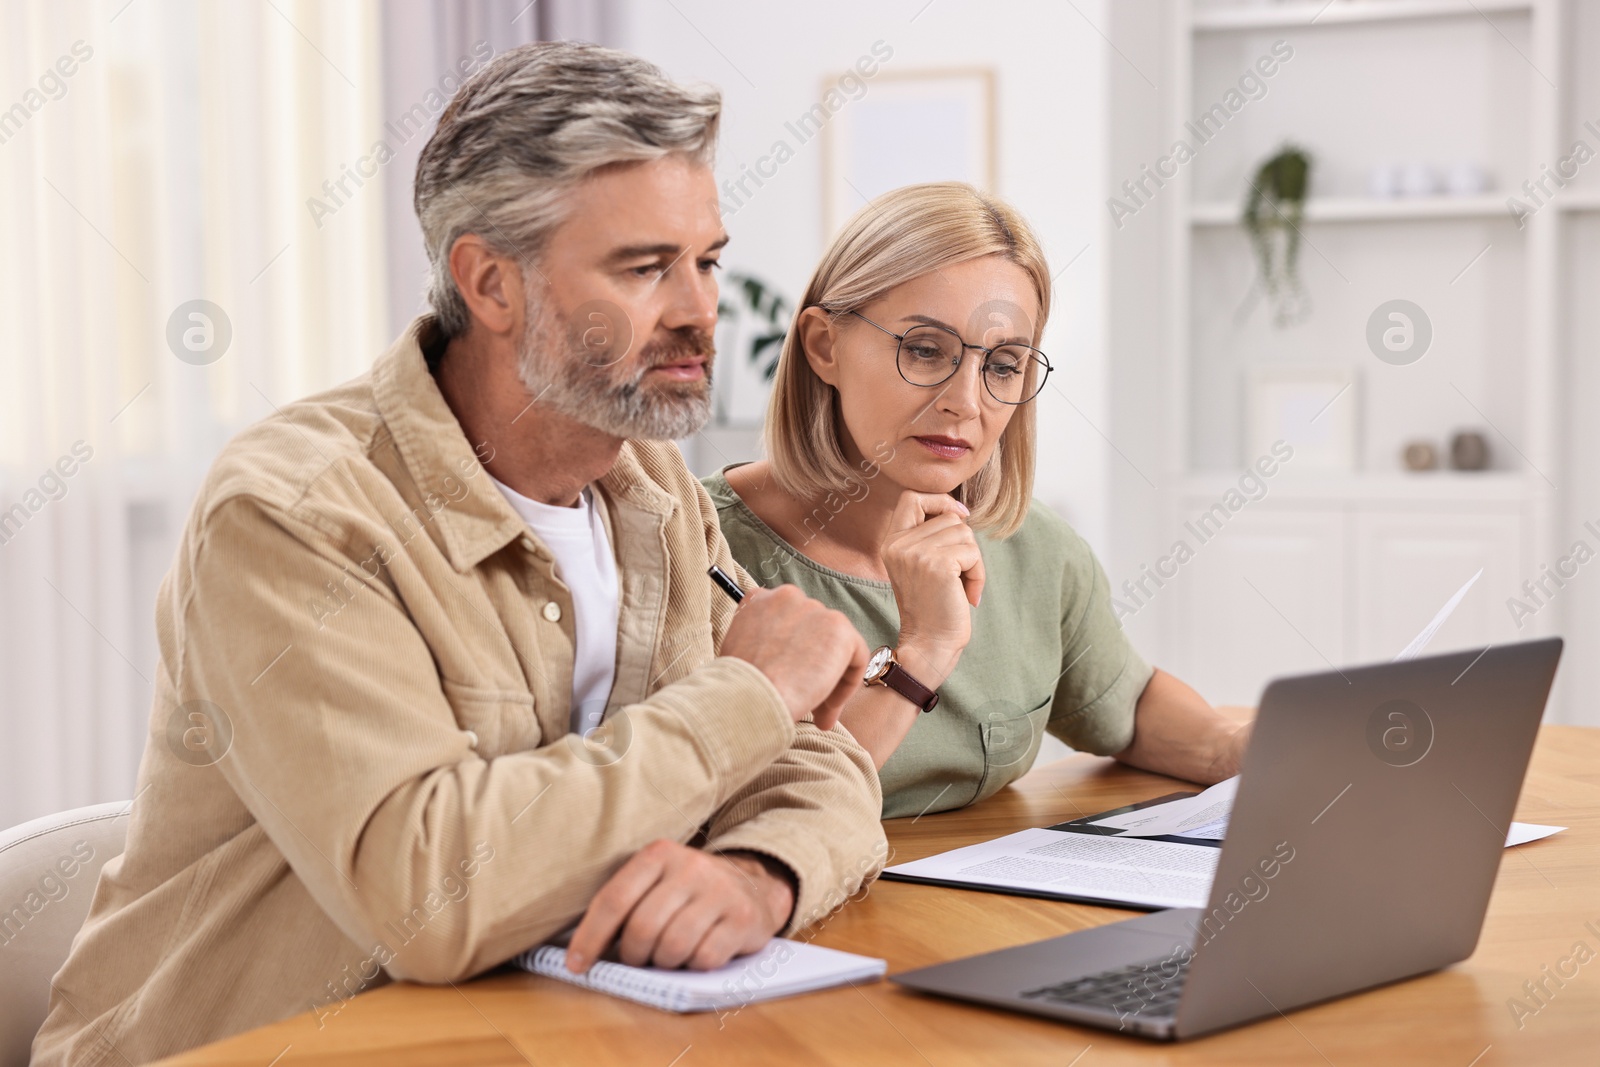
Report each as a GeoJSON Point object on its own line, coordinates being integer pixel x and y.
{"type": "Point", "coordinates": [903, 128]}
{"type": "Point", "coordinates": [1312, 408]}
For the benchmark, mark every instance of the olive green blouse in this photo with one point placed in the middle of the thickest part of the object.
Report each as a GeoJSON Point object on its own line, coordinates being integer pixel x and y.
{"type": "Point", "coordinates": [1047, 653]}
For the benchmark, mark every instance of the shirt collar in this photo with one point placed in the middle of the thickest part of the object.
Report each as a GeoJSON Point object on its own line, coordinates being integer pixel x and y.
{"type": "Point", "coordinates": [476, 520]}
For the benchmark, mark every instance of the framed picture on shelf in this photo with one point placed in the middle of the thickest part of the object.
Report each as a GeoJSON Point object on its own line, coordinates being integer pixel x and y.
{"type": "Point", "coordinates": [1313, 408]}
{"type": "Point", "coordinates": [902, 128]}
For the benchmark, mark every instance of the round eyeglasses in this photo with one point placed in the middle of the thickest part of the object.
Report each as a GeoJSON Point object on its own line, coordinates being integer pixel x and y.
{"type": "Point", "coordinates": [931, 355]}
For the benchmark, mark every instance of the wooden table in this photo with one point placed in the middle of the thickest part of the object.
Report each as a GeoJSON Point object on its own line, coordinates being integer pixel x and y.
{"type": "Point", "coordinates": [1545, 894]}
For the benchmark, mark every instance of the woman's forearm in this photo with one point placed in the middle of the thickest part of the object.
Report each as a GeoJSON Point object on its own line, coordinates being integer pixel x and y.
{"type": "Point", "coordinates": [879, 718]}
{"type": "Point", "coordinates": [1176, 732]}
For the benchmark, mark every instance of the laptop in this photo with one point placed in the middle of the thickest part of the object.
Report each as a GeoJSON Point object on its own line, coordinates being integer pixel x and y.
{"type": "Point", "coordinates": [1371, 816]}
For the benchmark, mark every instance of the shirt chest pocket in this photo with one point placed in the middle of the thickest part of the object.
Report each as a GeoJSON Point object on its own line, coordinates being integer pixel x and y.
{"type": "Point", "coordinates": [680, 653]}
{"type": "Point", "coordinates": [1010, 742]}
{"type": "Point", "coordinates": [501, 720]}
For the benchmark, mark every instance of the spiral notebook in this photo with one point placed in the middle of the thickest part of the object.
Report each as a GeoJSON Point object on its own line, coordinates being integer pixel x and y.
{"type": "Point", "coordinates": [782, 969]}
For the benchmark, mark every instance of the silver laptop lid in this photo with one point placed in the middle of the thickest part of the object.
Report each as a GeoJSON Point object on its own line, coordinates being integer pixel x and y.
{"type": "Point", "coordinates": [1368, 828]}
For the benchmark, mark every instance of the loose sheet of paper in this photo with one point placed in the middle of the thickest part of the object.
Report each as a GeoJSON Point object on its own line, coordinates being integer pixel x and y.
{"type": "Point", "coordinates": [1420, 642]}
{"type": "Point", "coordinates": [1204, 815]}
{"type": "Point", "coordinates": [1156, 874]}
{"type": "Point", "coordinates": [1523, 832]}
{"type": "Point", "coordinates": [1215, 829]}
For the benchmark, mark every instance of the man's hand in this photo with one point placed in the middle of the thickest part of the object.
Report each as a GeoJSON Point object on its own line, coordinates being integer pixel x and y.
{"type": "Point", "coordinates": [677, 906]}
{"type": "Point", "coordinates": [811, 654]}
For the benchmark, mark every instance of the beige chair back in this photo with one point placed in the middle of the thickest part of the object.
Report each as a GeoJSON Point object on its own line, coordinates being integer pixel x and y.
{"type": "Point", "coordinates": [48, 871]}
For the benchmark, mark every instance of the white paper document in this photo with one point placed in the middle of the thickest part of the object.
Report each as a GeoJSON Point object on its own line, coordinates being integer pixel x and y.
{"type": "Point", "coordinates": [1155, 874]}
{"type": "Point", "coordinates": [1204, 815]}
{"type": "Point", "coordinates": [1420, 642]}
{"type": "Point", "coordinates": [1199, 819]}
{"type": "Point", "coordinates": [1523, 832]}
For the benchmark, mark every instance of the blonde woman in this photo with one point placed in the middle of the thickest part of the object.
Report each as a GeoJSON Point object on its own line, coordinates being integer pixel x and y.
{"type": "Point", "coordinates": [898, 490]}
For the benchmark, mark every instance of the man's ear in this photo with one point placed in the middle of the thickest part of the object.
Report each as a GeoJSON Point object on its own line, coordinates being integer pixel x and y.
{"type": "Point", "coordinates": [817, 335]}
{"type": "Point", "coordinates": [489, 283]}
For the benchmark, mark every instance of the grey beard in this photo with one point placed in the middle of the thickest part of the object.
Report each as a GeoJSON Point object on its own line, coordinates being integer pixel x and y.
{"type": "Point", "coordinates": [558, 376]}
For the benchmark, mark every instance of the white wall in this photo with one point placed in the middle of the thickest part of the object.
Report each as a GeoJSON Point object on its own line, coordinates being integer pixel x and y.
{"type": "Point", "coordinates": [770, 63]}
{"type": "Point", "coordinates": [1142, 407]}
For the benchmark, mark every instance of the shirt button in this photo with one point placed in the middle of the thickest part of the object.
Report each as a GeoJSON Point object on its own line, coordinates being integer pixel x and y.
{"type": "Point", "coordinates": [552, 611]}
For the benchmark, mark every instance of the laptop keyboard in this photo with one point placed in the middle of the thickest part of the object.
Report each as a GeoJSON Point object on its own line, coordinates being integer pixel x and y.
{"type": "Point", "coordinates": [1148, 988]}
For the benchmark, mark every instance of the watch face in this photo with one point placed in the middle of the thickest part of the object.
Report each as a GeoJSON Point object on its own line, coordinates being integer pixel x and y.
{"type": "Point", "coordinates": [879, 660]}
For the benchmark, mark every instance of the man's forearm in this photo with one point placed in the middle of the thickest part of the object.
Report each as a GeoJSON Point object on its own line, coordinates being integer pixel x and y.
{"type": "Point", "coordinates": [562, 848]}
{"type": "Point", "coordinates": [816, 810]}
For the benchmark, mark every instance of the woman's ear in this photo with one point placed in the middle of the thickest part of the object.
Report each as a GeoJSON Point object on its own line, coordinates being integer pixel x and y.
{"type": "Point", "coordinates": [817, 334]}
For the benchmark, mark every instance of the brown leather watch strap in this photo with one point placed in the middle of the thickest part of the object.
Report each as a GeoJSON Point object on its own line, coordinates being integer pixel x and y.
{"type": "Point", "coordinates": [900, 680]}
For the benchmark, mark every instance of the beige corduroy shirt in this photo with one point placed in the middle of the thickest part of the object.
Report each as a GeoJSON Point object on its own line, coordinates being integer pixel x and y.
{"type": "Point", "coordinates": [358, 766]}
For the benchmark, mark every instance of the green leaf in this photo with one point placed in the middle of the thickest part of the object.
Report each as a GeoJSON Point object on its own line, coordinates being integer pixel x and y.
{"type": "Point", "coordinates": [746, 294]}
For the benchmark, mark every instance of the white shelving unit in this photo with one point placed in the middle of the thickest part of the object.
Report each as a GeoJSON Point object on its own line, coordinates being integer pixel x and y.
{"type": "Point", "coordinates": [1576, 200]}
{"type": "Point", "coordinates": [1264, 16]}
{"type": "Point", "coordinates": [1357, 562]}
{"type": "Point", "coordinates": [1365, 209]}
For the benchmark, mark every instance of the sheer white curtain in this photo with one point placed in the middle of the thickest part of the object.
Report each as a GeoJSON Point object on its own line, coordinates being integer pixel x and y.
{"type": "Point", "coordinates": [154, 153]}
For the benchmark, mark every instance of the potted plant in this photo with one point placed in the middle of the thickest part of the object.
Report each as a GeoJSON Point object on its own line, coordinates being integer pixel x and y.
{"type": "Point", "coordinates": [753, 317]}
{"type": "Point", "coordinates": [1273, 212]}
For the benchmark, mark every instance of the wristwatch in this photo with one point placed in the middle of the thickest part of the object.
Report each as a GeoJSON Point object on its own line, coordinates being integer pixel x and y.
{"type": "Point", "coordinates": [884, 669]}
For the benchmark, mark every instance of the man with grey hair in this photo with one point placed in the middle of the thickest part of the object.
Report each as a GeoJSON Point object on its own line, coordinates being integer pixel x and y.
{"type": "Point", "coordinates": [442, 673]}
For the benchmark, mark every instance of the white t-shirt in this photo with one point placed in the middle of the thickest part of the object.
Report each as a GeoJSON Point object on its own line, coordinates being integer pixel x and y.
{"type": "Point", "coordinates": [577, 538]}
